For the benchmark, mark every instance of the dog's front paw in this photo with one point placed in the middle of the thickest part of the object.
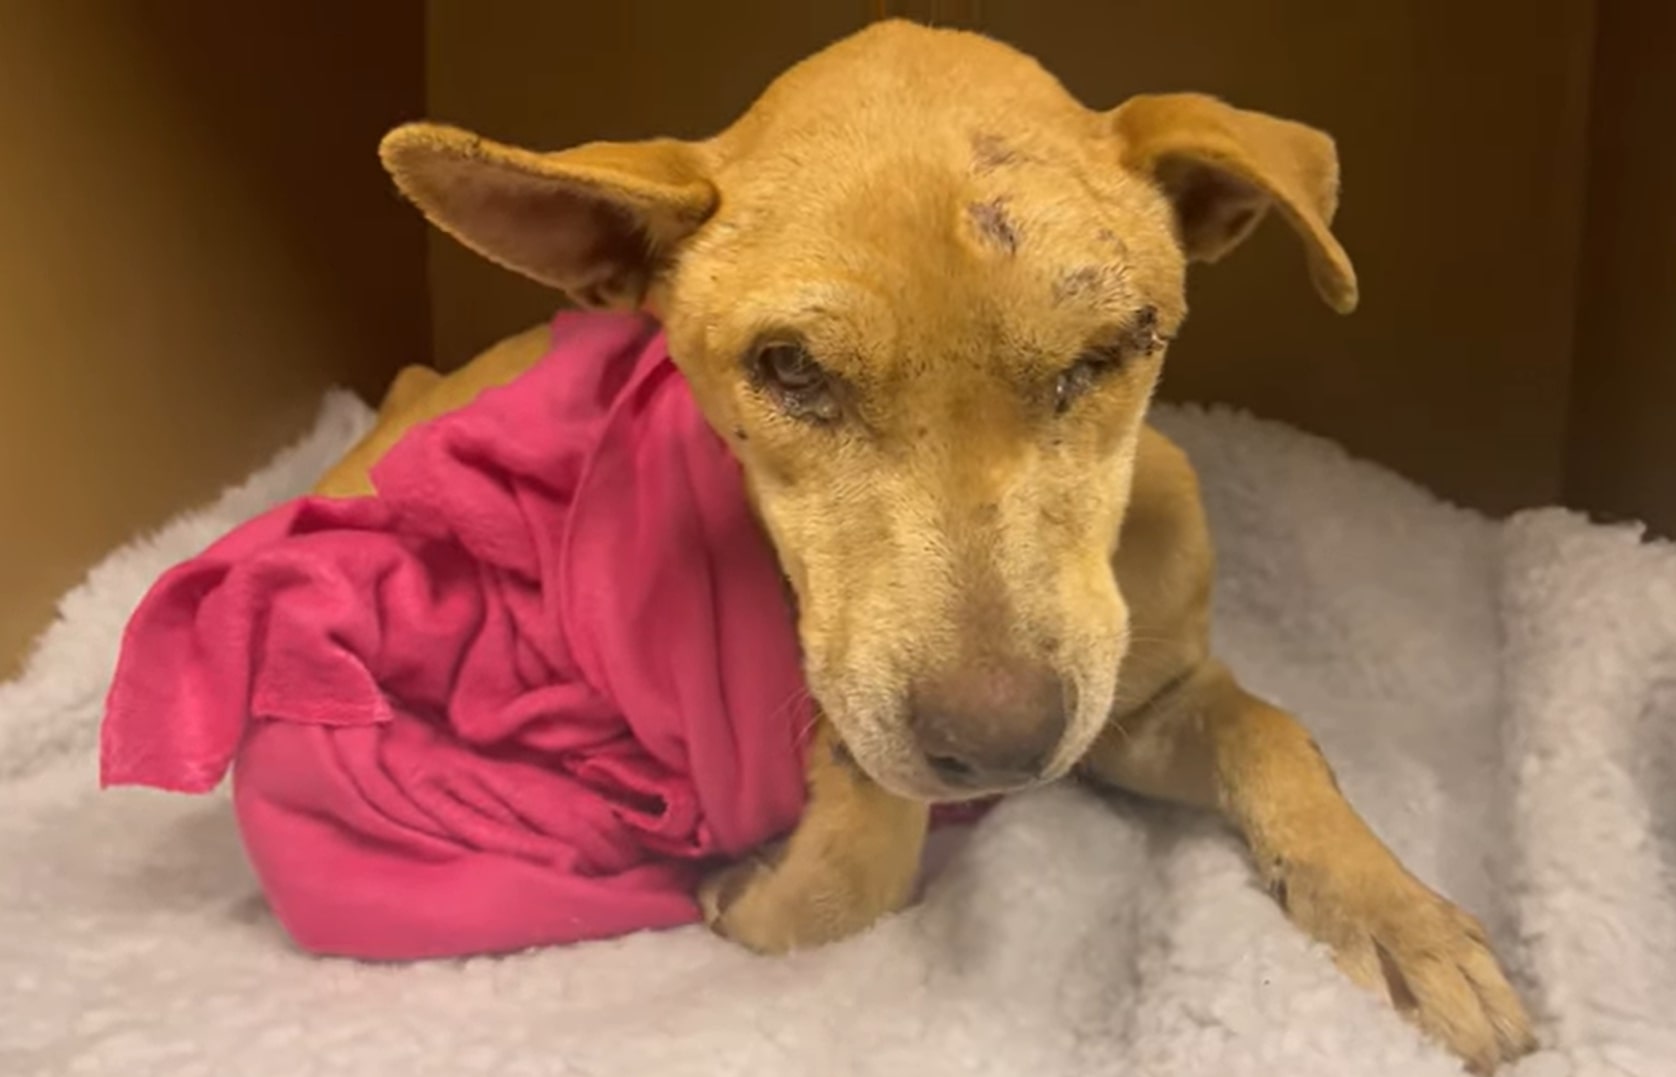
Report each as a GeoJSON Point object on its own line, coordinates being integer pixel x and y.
{"type": "Point", "coordinates": [773, 903]}
{"type": "Point", "coordinates": [1391, 934]}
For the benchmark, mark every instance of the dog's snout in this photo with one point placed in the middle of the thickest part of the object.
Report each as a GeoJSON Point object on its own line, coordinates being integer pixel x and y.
{"type": "Point", "coordinates": [994, 726]}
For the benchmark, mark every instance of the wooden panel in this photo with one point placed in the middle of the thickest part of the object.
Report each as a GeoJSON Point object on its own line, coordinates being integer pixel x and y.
{"type": "Point", "coordinates": [198, 239]}
{"type": "Point", "coordinates": [552, 75]}
{"type": "Point", "coordinates": [1461, 128]}
{"type": "Point", "coordinates": [963, 14]}
{"type": "Point", "coordinates": [1622, 441]}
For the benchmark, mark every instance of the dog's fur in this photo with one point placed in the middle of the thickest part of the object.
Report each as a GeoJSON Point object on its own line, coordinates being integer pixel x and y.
{"type": "Point", "coordinates": [925, 294]}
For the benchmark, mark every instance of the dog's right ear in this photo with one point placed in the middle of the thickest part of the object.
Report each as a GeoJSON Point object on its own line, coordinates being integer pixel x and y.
{"type": "Point", "coordinates": [597, 221]}
{"type": "Point", "coordinates": [1223, 167]}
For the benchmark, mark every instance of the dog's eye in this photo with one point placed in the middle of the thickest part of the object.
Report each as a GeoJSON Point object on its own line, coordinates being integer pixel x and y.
{"type": "Point", "coordinates": [1138, 339]}
{"type": "Point", "coordinates": [1080, 376]}
{"type": "Point", "coordinates": [788, 374]}
{"type": "Point", "coordinates": [789, 367]}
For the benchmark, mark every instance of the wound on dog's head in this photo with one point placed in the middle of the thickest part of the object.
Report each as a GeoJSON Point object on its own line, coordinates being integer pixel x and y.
{"type": "Point", "coordinates": [994, 224]}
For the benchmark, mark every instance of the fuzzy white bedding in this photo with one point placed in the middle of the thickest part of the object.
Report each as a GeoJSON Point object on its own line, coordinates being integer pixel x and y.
{"type": "Point", "coordinates": [1499, 700]}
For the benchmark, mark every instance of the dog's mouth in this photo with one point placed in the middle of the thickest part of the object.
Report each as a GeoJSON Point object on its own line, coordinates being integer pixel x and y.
{"type": "Point", "coordinates": [891, 760]}
{"type": "Point", "coordinates": [959, 792]}
{"type": "Point", "coordinates": [934, 785]}
{"type": "Point", "coordinates": [923, 786]}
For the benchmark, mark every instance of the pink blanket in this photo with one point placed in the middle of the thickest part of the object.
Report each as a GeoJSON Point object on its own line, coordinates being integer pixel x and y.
{"type": "Point", "coordinates": [523, 696]}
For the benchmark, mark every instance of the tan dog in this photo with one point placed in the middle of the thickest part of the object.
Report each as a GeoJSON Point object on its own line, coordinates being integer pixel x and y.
{"type": "Point", "coordinates": [925, 294]}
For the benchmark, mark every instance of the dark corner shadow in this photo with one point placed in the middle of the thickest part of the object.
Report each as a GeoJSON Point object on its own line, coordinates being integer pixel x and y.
{"type": "Point", "coordinates": [296, 97]}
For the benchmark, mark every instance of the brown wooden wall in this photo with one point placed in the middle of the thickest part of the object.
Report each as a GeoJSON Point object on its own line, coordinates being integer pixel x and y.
{"type": "Point", "coordinates": [195, 239]}
{"type": "Point", "coordinates": [1621, 442]}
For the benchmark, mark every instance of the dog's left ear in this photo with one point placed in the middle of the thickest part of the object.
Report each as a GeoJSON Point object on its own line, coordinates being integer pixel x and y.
{"type": "Point", "coordinates": [1223, 167]}
{"type": "Point", "coordinates": [599, 221]}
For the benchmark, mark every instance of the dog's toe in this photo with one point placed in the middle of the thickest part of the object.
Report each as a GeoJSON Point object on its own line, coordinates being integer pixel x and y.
{"type": "Point", "coordinates": [1429, 958]}
{"type": "Point", "coordinates": [1460, 998]}
{"type": "Point", "coordinates": [721, 890]}
{"type": "Point", "coordinates": [773, 904]}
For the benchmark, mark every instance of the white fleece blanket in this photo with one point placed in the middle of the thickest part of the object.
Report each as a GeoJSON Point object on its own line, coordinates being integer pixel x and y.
{"type": "Point", "coordinates": [1499, 699]}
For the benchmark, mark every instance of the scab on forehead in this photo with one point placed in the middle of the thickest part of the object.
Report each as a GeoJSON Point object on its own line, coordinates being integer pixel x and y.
{"type": "Point", "coordinates": [991, 151]}
{"type": "Point", "coordinates": [1114, 241]}
{"type": "Point", "coordinates": [1079, 283]}
{"type": "Point", "coordinates": [994, 224]}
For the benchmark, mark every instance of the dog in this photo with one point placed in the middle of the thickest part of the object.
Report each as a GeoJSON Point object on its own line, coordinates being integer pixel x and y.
{"type": "Point", "coordinates": [925, 294]}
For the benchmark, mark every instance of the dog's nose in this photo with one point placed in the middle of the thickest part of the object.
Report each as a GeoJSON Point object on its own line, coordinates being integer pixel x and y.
{"type": "Point", "coordinates": [994, 726]}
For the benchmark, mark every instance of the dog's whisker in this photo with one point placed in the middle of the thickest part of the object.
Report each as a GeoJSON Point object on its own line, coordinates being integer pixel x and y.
{"type": "Point", "coordinates": [791, 702]}
{"type": "Point", "coordinates": [795, 700]}
{"type": "Point", "coordinates": [809, 726]}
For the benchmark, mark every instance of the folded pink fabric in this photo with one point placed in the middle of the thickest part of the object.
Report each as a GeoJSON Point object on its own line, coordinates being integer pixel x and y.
{"type": "Point", "coordinates": [521, 697]}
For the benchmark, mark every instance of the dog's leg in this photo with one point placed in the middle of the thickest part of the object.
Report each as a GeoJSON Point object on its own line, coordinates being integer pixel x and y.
{"type": "Point", "coordinates": [853, 857]}
{"type": "Point", "coordinates": [1204, 740]}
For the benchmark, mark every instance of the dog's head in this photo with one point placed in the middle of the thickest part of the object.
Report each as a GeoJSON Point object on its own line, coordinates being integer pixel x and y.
{"type": "Point", "coordinates": [924, 294]}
